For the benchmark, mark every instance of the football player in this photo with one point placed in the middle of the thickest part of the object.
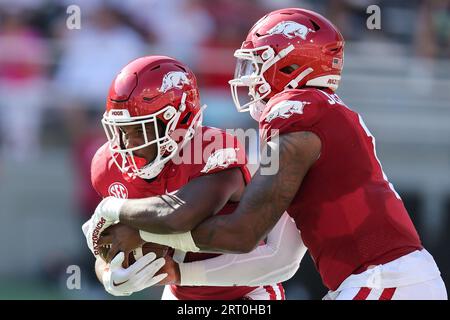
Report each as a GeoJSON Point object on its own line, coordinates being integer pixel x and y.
{"type": "Point", "coordinates": [330, 181]}
{"type": "Point", "coordinates": [158, 148]}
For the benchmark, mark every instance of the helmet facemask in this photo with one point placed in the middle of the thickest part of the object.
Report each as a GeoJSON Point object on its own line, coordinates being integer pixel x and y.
{"type": "Point", "coordinates": [166, 146]}
{"type": "Point", "coordinates": [249, 74]}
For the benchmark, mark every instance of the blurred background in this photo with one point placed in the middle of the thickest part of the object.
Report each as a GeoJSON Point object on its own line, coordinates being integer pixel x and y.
{"type": "Point", "coordinates": [54, 81]}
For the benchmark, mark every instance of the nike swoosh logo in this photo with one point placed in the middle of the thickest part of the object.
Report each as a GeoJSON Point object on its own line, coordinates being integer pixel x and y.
{"type": "Point", "coordinates": [118, 284]}
{"type": "Point", "coordinates": [171, 193]}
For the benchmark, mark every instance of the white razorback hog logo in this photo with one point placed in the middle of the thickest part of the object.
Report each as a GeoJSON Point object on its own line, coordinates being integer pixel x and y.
{"type": "Point", "coordinates": [221, 159]}
{"type": "Point", "coordinates": [174, 79]}
{"type": "Point", "coordinates": [285, 109]}
{"type": "Point", "coordinates": [291, 29]}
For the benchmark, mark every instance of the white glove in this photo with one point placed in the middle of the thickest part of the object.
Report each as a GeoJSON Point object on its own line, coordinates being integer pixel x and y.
{"type": "Point", "coordinates": [106, 214]}
{"type": "Point", "coordinates": [140, 275]}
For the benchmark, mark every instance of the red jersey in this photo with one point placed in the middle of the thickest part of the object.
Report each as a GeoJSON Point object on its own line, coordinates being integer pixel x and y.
{"type": "Point", "coordinates": [222, 152]}
{"type": "Point", "coordinates": [348, 213]}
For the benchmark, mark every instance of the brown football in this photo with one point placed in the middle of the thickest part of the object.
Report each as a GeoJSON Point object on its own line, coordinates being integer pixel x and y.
{"type": "Point", "coordinates": [159, 250]}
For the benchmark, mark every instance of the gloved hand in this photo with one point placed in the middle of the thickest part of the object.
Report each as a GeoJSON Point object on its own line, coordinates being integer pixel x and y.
{"type": "Point", "coordinates": [119, 281]}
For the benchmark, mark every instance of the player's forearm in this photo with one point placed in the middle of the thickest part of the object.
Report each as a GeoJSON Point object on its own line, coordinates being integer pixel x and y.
{"type": "Point", "coordinates": [155, 214]}
{"type": "Point", "coordinates": [231, 238]}
{"type": "Point", "coordinates": [242, 231]}
{"type": "Point", "coordinates": [183, 211]}
{"type": "Point", "coordinates": [225, 234]}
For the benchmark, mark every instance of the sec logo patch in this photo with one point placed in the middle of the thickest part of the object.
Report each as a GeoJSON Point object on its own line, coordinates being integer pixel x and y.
{"type": "Point", "coordinates": [118, 190]}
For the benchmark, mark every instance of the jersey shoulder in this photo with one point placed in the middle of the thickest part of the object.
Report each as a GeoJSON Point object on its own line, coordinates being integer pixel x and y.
{"type": "Point", "coordinates": [303, 106]}
{"type": "Point", "coordinates": [220, 150]}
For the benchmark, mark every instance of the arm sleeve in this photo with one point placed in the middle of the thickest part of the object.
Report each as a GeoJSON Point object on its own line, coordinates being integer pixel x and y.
{"type": "Point", "coordinates": [276, 261]}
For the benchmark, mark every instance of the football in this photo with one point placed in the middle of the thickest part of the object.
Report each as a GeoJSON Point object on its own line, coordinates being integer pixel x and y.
{"type": "Point", "coordinates": [137, 253]}
{"type": "Point", "coordinates": [159, 250]}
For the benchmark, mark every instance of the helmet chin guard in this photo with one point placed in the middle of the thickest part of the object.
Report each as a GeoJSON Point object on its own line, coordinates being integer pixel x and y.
{"type": "Point", "coordinates": [132, 165]}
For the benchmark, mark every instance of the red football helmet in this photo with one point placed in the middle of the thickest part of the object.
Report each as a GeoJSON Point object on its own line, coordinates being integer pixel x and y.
{"type": "Point", "coordinates": [152, 90]}
{"type": "Point", "coordinates": [287, 49]}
